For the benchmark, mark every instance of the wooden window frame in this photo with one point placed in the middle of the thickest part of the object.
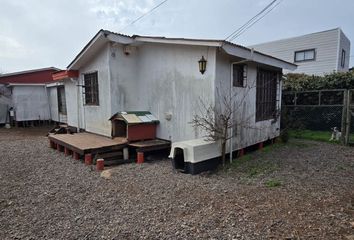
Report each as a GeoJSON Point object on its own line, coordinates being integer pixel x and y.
{"type": "Point", "coordinates": [342, 59]}
{"type": "Point", "coordinates": [266, 94]}
{"type": "Point", "coordinates": [91, 89]}
{"type": "Point", "coordinates": [241, 75]}
{"type": "Point", "coordinates": [304, 51]}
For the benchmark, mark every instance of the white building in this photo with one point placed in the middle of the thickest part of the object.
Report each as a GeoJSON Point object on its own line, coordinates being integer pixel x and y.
{"type": "Point", "coordinates": [315, 54]}
{"type": "Point", "coordinates": [115, 73]}
{"type": "Point", "coordinates": [31, 95]}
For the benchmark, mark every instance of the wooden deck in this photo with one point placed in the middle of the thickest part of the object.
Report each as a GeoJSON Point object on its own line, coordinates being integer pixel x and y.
{"type": "Point", "coordinates": [83, 143]}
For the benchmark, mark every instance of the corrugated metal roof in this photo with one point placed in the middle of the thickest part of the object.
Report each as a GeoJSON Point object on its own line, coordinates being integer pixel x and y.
{"type": "Point", "coordinates": [135, 117]}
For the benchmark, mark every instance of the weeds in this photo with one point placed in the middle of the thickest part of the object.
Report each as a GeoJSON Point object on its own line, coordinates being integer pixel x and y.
{"type": "Point", "coordinates": [272, 183]}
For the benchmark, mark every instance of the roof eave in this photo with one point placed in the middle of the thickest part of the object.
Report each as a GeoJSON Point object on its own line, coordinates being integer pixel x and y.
{"type": "Point", "coordinates": [101, 38]}
{"type": "Point", "coordinates": [257, 57]}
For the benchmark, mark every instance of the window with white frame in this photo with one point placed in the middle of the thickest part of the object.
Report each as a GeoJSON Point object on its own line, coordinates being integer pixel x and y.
{"type": "Point", "coordinates": [305, 55]}
{"type": "Point", "coordinates": [239, 75]}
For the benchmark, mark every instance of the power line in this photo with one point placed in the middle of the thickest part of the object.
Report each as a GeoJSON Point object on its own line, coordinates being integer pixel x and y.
{"type": "Point", "coordinates": [254, 20]}
{"type": "Point", "coordinates": [239, 34]}
{"type": "Point", "coordinates": [143, 15]}
{"type": "Point", "coordinates": [249, 21]}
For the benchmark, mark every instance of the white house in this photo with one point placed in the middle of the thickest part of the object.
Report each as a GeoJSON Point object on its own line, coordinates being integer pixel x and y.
{"type": "Point", "coordinates": [316, 53]}
{"type": "Point", "coordinates": [116, 73]}
{"type": "Point", "coordinates": [28, 93]}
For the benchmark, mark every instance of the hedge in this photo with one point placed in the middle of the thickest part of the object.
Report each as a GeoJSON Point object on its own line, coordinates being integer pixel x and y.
{"type": "Point", "coordinates": [302, 82]}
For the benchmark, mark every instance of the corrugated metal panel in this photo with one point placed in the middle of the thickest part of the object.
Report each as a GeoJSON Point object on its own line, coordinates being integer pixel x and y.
{"type": "Point", "coordinates": [131, 118]}
{"type": "Point", "coordinates": [144, 119]}
{"type": "Point", "coordinates": [151, 117]}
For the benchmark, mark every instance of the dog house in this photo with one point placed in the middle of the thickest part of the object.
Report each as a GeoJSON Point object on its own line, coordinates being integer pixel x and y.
{"type": "Point", "coordinates": [134, 126]}
{"type": "Point", "coordinates": [195, 156]}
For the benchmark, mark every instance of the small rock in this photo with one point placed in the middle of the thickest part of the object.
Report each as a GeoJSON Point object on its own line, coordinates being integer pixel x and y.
{"type": "Point", "coordinates": [106, 174]}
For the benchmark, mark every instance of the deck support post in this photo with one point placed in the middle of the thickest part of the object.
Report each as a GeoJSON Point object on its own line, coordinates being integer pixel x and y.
{"type": "Point", "coordinates": [76, 156]}
{"type": "Point", "coordinates": [260, 146]}
{"type": "Point", "coordinates": [100, 164]}
{"type": "Point", "coordinates": [88, 159]}
{"type": "Point", "coordinates": [140, 157]}
{"type": "Point", "coordinates": [67, 152]}
{"type": "Point", "coordinates": [51, 144]}
{"type": "Point", "coordinates": [59, 148]}
{"type": "Point", "coordinates": [241, 152]}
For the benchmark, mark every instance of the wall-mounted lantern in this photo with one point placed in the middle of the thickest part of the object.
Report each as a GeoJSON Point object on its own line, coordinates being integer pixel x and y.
{"type": "Point", "coordinates": [202, 65]}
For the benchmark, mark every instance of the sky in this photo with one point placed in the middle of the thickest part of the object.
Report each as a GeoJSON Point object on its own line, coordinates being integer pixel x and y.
{"type": "Point", "coordinates": [37, 34]}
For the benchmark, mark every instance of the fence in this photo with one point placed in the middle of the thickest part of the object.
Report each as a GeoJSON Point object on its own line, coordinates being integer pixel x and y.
{"type": "Point", "coordinates": [320, 110]}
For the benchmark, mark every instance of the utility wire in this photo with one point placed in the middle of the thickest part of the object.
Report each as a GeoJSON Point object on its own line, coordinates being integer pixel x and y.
{"type": "Point", "coordinates": [244, 30]}
{"type": "Point", "coordinates": [143, 15]}
{"type": "Point", "coordinates": [249, 21]}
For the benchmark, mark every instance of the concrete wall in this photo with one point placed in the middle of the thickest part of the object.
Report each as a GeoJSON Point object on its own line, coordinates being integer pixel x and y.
{"type": "Point", "coordinates": [326, 44]}
{"type": "Point", "coordinates": [163, 79]}
{"type": "Point", "coordinates": [248, 131]}
{"type": "Point", "coordinates": [30, 103]}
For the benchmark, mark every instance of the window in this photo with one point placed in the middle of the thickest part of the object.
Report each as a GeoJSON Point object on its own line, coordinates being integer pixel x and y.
{"type": "Point", "coordinates": [342, 59]}
{"type": "Point", "coordinates": [91, 89]}
{"type": "Point", "coordinates": [239, 75]}
{"type": "Point", "coordinates": [266, 94]}
{"type": "Point", "coordinates": [305, 55]}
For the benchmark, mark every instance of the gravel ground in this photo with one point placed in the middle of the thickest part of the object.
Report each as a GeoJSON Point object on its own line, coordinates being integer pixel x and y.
{"type": "Point", "coordinates": [45, 195]}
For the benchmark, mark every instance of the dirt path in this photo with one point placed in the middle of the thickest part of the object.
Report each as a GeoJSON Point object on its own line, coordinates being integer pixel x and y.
{"type": "Point", "coordinates": [45, 195]}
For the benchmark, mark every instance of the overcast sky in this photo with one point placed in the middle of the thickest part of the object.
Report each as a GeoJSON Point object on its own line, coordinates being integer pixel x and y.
{"type": "Point", "coordinates": [37, 33]}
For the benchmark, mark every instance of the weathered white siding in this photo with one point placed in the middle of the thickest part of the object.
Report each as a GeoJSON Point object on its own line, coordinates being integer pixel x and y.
{"type": "Point", "coordinates": [30, 103]}
{"type": "Point", "coordinates": [91, 118]}
{"type": "Point", "coordinates": [53, 103]}
{"type": "Point", "coordinates": [248, 132]}
{"type": "Point", "coordinates": [163, 79]}
{"type": "Point", "coordinates": [325, 43]}
{"type": "Point", "coordinates": [344, 44]}
{"type": "Point", "coordinates": [5, 102]}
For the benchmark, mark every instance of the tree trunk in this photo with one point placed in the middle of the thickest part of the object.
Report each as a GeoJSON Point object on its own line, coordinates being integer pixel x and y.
{"type": "Point", "coordinates": [223, 152]}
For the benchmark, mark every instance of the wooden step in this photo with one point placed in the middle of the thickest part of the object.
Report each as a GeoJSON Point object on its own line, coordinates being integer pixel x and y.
{"type": "Point", "coordinates": [110, 155]}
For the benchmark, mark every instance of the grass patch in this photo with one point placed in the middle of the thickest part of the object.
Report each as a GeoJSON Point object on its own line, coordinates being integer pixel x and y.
{"type": "Point", "coordinates": [322, 136]}
{"type": "Point", "coordinates": [250, 166]}
{"type": "Point", "coordinates": [272, 183]}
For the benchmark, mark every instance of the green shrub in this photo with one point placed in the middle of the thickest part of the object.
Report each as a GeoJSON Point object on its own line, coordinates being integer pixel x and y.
{"type": "Point", "coordinates": [335, 80]}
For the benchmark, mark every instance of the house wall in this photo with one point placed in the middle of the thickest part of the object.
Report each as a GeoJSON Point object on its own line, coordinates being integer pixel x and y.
{"type": "Point", "coordinates": [53, 103]}
{"type": "Point", "coordinates": [91, 118]}
{"type": "Point", "coordinates": [5, 102]}
{"type": "Point", "coordinates": [163, 79]}
{"type": "Point", "coordinates": [326, 44]}
{"type": "Point", "coordinates": [248, 131]}
{"type": "Point", "coordinates": [30, 103]}
{"type": "Point", "coordinates": [344, 43]}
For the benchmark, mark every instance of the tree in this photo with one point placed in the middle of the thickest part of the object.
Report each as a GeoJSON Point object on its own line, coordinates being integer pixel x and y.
{"type": "Point", "coordinates": [218, 120]}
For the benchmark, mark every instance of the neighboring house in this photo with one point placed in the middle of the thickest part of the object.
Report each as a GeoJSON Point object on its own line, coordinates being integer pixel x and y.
{"type": "Point", "coordinates": [118, 73]}
{"type": "Point", "coordinates": [30, 96]}
{"type": "Point", "coordinates": [315, 54]}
